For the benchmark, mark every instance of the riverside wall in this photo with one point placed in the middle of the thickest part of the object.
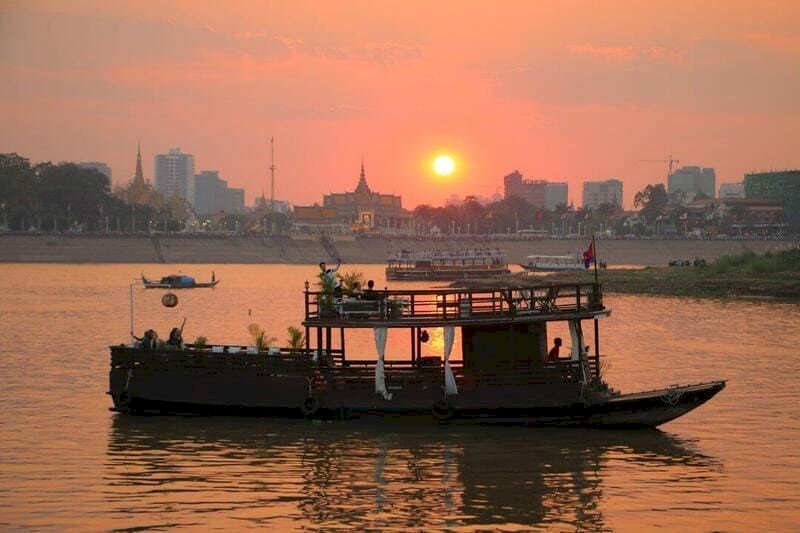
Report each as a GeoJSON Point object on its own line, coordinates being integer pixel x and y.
{"type": "Point", "coordinates": [15, 248]}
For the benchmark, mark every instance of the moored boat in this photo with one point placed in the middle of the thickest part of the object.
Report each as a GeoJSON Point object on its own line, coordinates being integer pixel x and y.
{"type": "Point", "coordinates": [505, 376]}
{"type": "Point", "coordinates": [446, 264]}
{"type": "Point", "coordinates": [553, 263]}
{"type": "Point", "coordinates": [178, 281]}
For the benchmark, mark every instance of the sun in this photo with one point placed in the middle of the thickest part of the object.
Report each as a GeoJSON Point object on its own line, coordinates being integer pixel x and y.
{"type": "Point", "coordinates": [444, 165]}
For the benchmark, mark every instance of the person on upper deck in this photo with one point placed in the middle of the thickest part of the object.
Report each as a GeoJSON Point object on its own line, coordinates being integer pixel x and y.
{"type": "Point", "coordinates": [552, 355]}
{"type": "Point", "coordinates": [370, 293]}
{"type": "Point", "coordinates": [175, 338]}
{"type": "Point", "coordinates": [329, 275]}
{"type": "Point", "coordinates": [147, 341]}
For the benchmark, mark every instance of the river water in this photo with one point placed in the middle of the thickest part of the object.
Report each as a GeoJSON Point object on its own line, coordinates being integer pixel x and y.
{"type": "Point", "coordinates": [66, 461]}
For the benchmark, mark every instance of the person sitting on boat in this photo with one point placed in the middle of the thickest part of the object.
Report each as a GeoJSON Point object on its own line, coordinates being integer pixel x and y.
{"type": "Point", "coordinates": [330, 276]}
{"type": "Point", "coordinates": [176, 337]}
{"type": "Point", "coordinates": [370, 293]}
{"type": "Point", "coordinates": [147, 341]}
{"type": "Point", "coordinates": [552, 355]}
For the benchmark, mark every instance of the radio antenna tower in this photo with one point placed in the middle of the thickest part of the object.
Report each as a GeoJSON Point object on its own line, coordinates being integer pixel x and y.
{"type": "Point", "coordinates": [272, 175]}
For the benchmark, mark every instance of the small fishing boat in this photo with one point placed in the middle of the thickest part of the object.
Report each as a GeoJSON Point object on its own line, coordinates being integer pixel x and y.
{"type": "Point", "coordinates": [178, 281]}
{"type": "Point", "coordinates": [446, 264]}
{"type": "Point", "coordinates": [505, 375]}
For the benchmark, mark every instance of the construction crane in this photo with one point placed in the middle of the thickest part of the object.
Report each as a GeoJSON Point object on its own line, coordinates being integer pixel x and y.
{"type": "Point", "coordinates": [272, 175]}
{"type": "Point", "coordinates": [670, 162]}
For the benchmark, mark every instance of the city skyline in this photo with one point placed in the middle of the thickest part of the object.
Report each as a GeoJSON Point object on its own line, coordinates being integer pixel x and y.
{"type": "Point", "coordinates": [255, 196]}
{"type": "Point", "coordinates": [562, 92]}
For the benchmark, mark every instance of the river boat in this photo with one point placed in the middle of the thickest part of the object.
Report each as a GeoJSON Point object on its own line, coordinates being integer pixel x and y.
{"type": "Point", "coordinates": [504, 375]}
{"type": "Point", "coordinates": [178, 281]}
{"type": "Point", "coordinates": [446, 264]}
{"type": "Point", "coordinates": [553, 263]}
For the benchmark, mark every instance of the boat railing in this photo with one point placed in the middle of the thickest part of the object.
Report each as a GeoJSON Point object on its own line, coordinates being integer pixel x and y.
{"type": "Point", "coordinates": [453, 304]}
{"type": "Point", "coordinates": [405, 255]}
{"type": "Point", "coordinates": [223, 354]}
{"type": "Point", "coordinates": [362, 371]}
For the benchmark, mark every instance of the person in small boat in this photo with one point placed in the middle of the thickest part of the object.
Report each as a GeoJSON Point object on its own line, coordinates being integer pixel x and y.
{"type": "Point", "coordinates": [329, 275]}
{"type": "Point", "coordinates": [552, 355]}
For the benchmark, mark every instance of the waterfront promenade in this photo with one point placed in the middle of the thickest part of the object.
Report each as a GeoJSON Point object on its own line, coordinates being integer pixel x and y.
{"type": "Point", "coordinates": [16, 248]}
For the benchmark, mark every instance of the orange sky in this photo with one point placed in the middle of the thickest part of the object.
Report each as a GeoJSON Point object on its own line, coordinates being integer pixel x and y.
{"type": "Point", "coordinates": [559, 90]}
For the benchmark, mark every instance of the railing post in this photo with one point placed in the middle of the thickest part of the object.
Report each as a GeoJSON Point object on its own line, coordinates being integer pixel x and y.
{"type": "Point", "coordinates": [306, 298]}
{"type": "Point", "coordinates": [597, 348]}
{"type": "Point", "coordinates": [578, 297]}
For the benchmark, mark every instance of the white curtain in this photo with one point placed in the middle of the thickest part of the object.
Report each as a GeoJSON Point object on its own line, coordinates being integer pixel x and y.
{"type": "Point", "coordinates": [380, 378]}
{"type": "Point", "coordinates": [449, 380]}
{"type": "Point", "coordinates": [578, 354]}
{"type": "Point", "coordinates": [576, 335]}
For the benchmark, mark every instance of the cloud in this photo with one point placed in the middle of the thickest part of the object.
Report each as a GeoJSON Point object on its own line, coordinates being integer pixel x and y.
{"type": "Point", "coordinates": [776, 42]}
{"type": "Point", "coordinates": [627, 54]}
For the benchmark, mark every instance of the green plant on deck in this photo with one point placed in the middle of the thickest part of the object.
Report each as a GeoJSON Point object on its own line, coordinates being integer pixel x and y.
{"type": "Point", "coordinates": [326, 296]}
{"type": "Point", "coordinates": [200, 343]}
{"type": "Point", "coordinates": [600, 381]}
{"type": "Point", "coordinates": [296, 340]}
{"type": "Point", "coordinates": [351, 282]}
{"type": "Point", "coordinates": [260, 338]}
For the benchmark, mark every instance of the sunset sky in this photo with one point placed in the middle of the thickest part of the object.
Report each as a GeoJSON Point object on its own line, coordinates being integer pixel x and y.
{"type": "Point", "coordinates": [558, 90]}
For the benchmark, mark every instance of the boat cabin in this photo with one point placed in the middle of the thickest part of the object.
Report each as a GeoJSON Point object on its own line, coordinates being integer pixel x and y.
{"type": "Point", "coordinates": [504, 337]}
{"type": "Point", "coordinates": [553, 262]}
{"type": "Point", "coordinates": [446, 264]}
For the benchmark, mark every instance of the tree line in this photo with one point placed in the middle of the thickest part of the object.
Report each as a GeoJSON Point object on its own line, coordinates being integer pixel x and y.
{"type": "Point", "coordinates": [63, 196]}
{"type": "Point", "coordinates": [513, 214]}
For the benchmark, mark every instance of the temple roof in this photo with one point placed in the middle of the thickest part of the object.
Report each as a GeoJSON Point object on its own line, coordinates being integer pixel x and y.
{"type": "Point", "coordinates": [139, 176]}
{"type": "Point", "coordinates": [362, 187]}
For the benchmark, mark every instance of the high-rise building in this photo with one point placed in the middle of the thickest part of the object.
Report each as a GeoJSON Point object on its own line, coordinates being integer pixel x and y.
{"type": "Point", "coordinates": [538, 193]}
{"type": "Point", "coordinates": [731, 190]}
{"type": "Point", "coordinates": [175, 174]}
{"type": "Point", "coordinates": [99, 166]}
{"type": "Point", "coordinates": [596, 193]}
{"type": "Point", "coordinates": [782, 185]}
{"type": "Point", "coordinates": [555, 193]}
{"type": "Point", "coordinates": [692, 181]}
{"type": "Point", "coordinates": [213, 195]}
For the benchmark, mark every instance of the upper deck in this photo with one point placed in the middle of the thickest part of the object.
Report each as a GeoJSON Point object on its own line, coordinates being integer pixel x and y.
{"type": "Point", "coordinates": [455, 306]}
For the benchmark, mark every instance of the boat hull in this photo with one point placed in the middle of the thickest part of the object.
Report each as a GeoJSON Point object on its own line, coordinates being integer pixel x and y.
{"type": "Point", "coordinates": [290, 393]}
{"type": "Point", "coordinates": [156, 285]}
{"type": "Point", "coordinates": [534, 268]}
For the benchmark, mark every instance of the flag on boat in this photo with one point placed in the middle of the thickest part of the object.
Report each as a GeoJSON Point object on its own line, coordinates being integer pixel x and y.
{"type": "Point", "coordinates": [588, 256]}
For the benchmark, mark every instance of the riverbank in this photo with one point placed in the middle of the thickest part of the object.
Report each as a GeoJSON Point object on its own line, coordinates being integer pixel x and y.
{"type": "Point", "coordinates": [746, 275]}
{"type": "Point", "coordinates": [249, 250]}
{"type": "Point", "coordinates": [690, 281]}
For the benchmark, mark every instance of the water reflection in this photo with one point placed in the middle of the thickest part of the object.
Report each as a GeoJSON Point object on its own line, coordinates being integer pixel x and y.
{"type": "Point", "coordinates": [222, 471]}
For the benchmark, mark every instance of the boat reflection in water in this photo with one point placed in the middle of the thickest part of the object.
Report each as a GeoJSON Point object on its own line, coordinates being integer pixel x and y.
{"type": "Point", "coordinates": [234, 472]}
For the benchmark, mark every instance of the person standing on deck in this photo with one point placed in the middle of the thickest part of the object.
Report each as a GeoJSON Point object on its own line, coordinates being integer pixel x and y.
{"type": "Point", "coordinates": [329, 275]}
{"type": "Point", "coordinates": [552, 355]}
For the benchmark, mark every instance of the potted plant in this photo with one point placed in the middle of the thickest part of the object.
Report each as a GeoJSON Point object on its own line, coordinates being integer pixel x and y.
{"type": "Point", "coordinates": [296, 340]}
{"type": "Point", "coordinates": [352, 282]}
{"type": "Point", "coordinates": [200, 343]}
{"type": "Point", "coordinates": [326, 302]}
{"type": "Point", "coordinates": [260, 338]}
